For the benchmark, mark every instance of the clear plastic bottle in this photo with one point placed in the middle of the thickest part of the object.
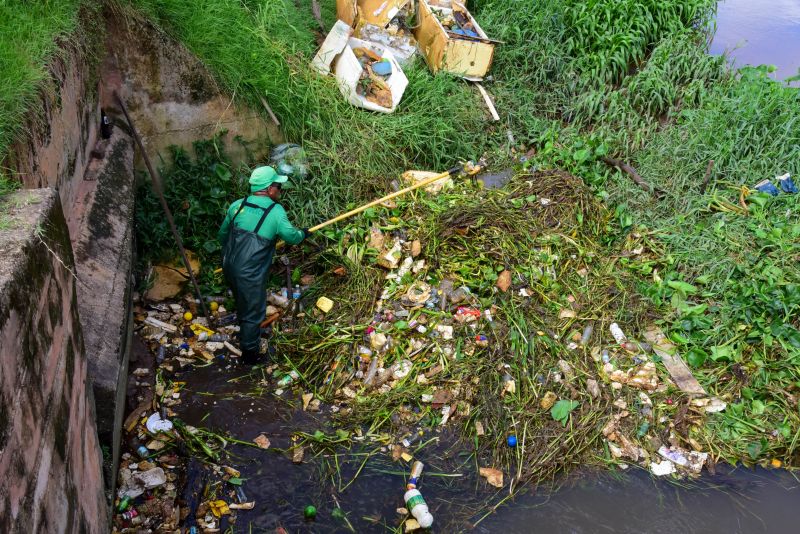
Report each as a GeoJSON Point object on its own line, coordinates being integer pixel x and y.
{"type": "Point", "coordinates": [417, 506]}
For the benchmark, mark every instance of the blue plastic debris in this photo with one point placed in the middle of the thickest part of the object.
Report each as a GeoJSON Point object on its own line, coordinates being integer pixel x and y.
{"type": "Point", "coordinates": [382, 68]}
{"type": "Point", "coordinates": [786, 184]}
{"type": "Point", "coordinates": [466, 33]}
{"type": "Point", "coordinates": [765, 186]}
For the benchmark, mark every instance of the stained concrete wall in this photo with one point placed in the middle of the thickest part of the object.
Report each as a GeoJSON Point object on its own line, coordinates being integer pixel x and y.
{"type": "Point", "coordinates": [172, 98]}
{"type": "Point", "coordinates": [50, 460]}
{"type": "Point", "coordinates": [100, 226]}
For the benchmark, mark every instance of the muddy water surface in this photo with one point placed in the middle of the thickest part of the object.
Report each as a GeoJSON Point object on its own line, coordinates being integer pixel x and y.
{"type": "Point", "coordinates": [368, 485]}
{"type": "Point", "coordinates": [757, 32]}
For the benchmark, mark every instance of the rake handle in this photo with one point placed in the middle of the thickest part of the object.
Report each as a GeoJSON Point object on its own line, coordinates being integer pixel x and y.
{"type": "Point", "coordinates": [423, 183]}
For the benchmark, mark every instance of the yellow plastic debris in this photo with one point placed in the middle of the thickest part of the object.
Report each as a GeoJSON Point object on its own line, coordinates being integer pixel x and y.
{"type": "Point", "coordinates": [406, 457]}
{"type": "Point", "coordinates": [325, 304]}
{"type": "Point", "coordinates": [198, 328]}
{"type": "Point", "coordinates": [187, 316]}
{"type": "Point", "coordinates": [219, 508]}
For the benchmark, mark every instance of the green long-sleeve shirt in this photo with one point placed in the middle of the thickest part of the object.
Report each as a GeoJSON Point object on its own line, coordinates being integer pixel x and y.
{"type": "Point", "coordinates": [276, 223]}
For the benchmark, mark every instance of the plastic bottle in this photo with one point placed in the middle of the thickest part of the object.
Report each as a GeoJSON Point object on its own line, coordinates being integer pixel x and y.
{"type": "Point", "coordinates": [310, 512]}
{"type": "Point", "coordinates": [288, 379]}
{"type": "Point", "coordinates": [226, 319]}
{"type": "Point", "coordinates": [373, 368]}
{"type": "Point", "coordinates": [619, 335]}
{"type": "Point", "coordinates": [219, 337]}
{"type": "Point", "coordinates": [587, 334]}
{"type": "Point", "coordinates": [140, 449]}
{"type": "Point", "coordinates": [416, 472]}
{"type": "Point", "coordinates": [240, 495]}
{"type": "Point", "coordinates": [124, 503]}
{"type": "Point", "coordinates": [416, 504]}
{"type": "Point", "coordinates": [161, 354]}
{"type": "Point", "coordinates": [409, 441]}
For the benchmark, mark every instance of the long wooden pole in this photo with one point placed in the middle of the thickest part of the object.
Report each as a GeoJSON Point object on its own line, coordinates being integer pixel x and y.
{"type": "Point", "coordinates": [390, 196]}
{"type": "Point", "coordinates": [156, 179]}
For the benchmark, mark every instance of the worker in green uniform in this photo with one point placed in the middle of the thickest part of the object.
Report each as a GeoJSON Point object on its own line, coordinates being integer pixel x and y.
{"type": "Point", "coordinates": [248, 235]}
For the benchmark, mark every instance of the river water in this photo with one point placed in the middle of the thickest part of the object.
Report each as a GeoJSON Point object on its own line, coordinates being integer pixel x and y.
{"type": "Point", "coordinates": [368, 485]}
{"type": "Point", "coordinates": [756, 32]}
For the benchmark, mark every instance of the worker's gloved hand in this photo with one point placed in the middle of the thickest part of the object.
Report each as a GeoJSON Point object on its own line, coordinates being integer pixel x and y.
{"type": "Point", "coordinates": [306, 233]}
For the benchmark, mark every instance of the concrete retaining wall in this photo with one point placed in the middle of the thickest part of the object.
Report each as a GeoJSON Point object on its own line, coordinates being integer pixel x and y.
{"type": "Point", "coordinates": [50, 460]}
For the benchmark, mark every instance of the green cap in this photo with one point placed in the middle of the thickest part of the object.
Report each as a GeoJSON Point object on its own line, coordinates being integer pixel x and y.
{"type": "Point", "coordinates": [263, 177]}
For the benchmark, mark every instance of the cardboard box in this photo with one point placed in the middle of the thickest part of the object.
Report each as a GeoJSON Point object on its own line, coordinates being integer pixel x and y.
{"type": "Point", "coordinates": [372, 20]}
{"type": "Point", "coordinates": [337, 55]}
{"type": "Point", "coordinates": [467, 56]}
{"type": "Point", "coordinates": [377, 12]}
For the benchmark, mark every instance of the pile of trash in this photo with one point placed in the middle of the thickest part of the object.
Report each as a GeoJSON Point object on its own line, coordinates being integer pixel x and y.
{"type": "Point", "coordinates": [517, 357]}
{"type": "Point", "coordinates": [367, 47]}
{"type": "Point", "coordinates": [154, 485]}
{"type": "Point", "coordinates": [443, 349]}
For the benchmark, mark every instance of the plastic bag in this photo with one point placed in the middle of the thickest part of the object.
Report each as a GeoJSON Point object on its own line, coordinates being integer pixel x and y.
{"type": "Point", "coordinates": [290, 160]}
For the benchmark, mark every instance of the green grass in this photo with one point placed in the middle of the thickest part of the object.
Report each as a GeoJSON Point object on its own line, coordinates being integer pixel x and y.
{"type": "Point", "coordinates": [263, 49]}
{"type": "Point", "coordinates": [30, 35]}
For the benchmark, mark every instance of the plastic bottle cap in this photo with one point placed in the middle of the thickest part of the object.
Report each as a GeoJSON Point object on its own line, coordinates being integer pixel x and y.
{"type": "Point", "coordinates": [310, 512]}
{"type": "Point", "coordinates": [512, 441]}
{"type": "Point", "coordinates": [187, 316]}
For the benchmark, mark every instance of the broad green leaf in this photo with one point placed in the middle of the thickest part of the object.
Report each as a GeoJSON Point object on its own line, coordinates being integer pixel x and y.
{"type": "Point", "coordinates": [236, 481]}
{"type": "Point", "coordinates": [682, 286]}
{"type": "Point", "coordinates": [696, 357]}
{"type": "Point", "coordinates": [560, 410]}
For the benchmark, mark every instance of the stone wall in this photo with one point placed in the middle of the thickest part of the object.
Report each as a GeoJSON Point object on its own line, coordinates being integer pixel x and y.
{"type": "Point", "coordinates": [50, 460]}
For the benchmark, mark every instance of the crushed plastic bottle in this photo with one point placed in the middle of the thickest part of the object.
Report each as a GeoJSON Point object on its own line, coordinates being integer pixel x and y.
{"type": "Point", "coordinates": [371, 372]}
{"type": "Point", "coordinates": [226, 320]}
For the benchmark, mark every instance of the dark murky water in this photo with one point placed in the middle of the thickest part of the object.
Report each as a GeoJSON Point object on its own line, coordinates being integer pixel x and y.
{"type": "Point", "coordinates": [733, 501]}
{"type": "Point", "coordinates": [757, 32]}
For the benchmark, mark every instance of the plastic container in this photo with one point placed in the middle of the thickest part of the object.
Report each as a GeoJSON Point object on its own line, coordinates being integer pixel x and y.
{"type": "Point", "coordinates": [124, 503]}
{"type": "Point", "coordinates": [288, 379]}
{"type": "Point", "coordinates": [619, 335]}
{"type": "Point", "coordinates": [240, 495]}
{"type": "Point", "coordinates": [417, 506]}
{"type": "Point", "coordinates": [130, 514]}
{"type": "Point", "coordinates": [416, 472]}
{"type": "Point", "coordinates": [373, 369]}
